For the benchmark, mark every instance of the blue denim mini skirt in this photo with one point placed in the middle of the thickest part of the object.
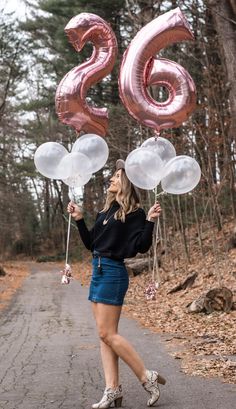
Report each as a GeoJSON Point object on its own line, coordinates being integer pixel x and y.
{"type": "Point", "coordinates": [109, 282]}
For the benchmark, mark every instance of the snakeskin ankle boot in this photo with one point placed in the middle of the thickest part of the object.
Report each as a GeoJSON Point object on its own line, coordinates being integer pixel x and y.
{"type": "Point", "coordinates": [110, 395]}
{"type": "Point", "coordinates": [151, 386]}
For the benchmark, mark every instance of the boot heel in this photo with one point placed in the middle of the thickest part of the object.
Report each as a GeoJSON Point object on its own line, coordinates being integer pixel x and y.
{"type": "Point", "coordinates": [118, 402]}
{"type": "Point", "coordinates": [161, 380]}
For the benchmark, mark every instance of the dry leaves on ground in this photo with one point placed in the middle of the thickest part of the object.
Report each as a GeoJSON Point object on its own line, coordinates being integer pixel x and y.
{"type": "Point", "coordinates": [206, 344]}
{"type": "Point", "coordinates": [16, 271]}
{"type": "Point", "coordinates": [82, 271]}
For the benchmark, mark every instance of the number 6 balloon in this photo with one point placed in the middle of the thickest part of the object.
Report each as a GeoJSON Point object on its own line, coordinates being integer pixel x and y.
{"type": "Point", "coordinates": [140, 69]}
{"type": "Point", "coordinates": [71, 105]}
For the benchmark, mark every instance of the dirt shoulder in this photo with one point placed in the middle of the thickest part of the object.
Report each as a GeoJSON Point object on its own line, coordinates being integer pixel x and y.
{"type": "Point", "coordinates": [16, 272]}
{"type": "Point", "coordinates": [205, 344]}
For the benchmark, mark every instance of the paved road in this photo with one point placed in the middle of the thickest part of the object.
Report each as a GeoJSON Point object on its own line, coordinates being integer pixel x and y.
{"type": "Point", "coordinates": [49, 355]}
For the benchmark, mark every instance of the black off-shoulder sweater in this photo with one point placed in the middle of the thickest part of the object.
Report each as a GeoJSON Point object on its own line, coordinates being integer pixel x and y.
{"type": "Point", "coordinates": [116, 239]}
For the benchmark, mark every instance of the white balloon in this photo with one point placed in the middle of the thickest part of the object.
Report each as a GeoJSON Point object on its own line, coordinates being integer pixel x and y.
{"type": "Point", "coordinates": [182, 174]}
{"type": "Point", "coordinates": [75, 164]}
{"type": "Point", "coordinates": [144, 168]}
{"type": "Point", "coordinates": [47, 159]}
{"type": "Point", "coordinates": [77, 180]}
{"type": "Point", "coordinates": [161, 146]}
{"type": "Point", "coordinates": [94, 147]}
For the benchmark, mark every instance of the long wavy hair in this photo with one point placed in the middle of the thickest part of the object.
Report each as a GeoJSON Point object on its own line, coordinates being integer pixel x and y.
{"type": "Point", "coordinates": [127, 197]}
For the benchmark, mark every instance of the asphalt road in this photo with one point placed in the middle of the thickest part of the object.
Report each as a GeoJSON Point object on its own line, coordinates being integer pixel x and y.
{"type": "Point", "coordinates": [49, 355]}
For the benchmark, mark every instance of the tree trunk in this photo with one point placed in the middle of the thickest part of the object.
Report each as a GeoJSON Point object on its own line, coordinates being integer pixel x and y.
{"type": "Point", "coordinates": [224, 15]}
{"type": "Point", "coordinates": [188, 282]}
{"type": "Point", "coordinates": [223, 12]}
{"type": "Point", "coordinates": [217, 299]}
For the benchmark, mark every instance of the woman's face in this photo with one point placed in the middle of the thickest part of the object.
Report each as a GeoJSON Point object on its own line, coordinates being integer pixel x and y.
{"type": "Point", "coordinates": [115, 182]}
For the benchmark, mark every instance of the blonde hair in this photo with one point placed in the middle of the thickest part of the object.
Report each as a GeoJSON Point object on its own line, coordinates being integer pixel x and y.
{"type": "Point", "coordinates": [127, 198]}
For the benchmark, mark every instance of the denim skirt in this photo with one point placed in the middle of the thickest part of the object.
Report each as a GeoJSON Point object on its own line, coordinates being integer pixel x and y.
{"type": "Point", "coordinates": [109, 281]}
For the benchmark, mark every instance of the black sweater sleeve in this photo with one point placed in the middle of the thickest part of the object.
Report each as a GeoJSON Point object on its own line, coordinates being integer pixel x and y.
{"type": "Point", "coordinates": [144, 241]}
{"type": "Point", "coordinates": [87, 236]}
{"type": "Point", "coordinates": [140, 233]}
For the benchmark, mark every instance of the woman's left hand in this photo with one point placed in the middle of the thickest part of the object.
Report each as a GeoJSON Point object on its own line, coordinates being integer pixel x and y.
{"type": "Point", "coordinates": [154, 212]}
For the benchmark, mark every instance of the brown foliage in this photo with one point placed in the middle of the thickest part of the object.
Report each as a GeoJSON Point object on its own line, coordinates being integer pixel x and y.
{"type": "Point", "coordinates": [16, 272]}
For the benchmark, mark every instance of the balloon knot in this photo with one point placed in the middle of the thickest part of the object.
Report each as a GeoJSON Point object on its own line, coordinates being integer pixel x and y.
{"type": "Point", "coordinates": [157, 134]}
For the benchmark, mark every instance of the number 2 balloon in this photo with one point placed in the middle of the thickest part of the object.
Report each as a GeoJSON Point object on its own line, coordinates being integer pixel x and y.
{"type": "Point", "coordinates": [71, 105]}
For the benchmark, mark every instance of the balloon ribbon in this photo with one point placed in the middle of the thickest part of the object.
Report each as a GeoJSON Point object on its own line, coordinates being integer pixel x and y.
{"type": "Point", "coordinates": [67, 272]}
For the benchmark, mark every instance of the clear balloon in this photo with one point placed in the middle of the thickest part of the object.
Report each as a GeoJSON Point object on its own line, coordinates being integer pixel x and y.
{"type": "Point", "coordinates": [71, 105]}
{"type": "Point", "coordinates": [75, 164]}
{"type": "Point", "coordinates": [161, 146]}
{"type": "Point", "coordinates": [144, 168]}
{"type": "Point", "coordinates": [77, 180]}
{"type": "Point", "coordinates": [140, 69]}
{"type": "Point", "coordinates": [182, 174]}
{"type": "Point", "coordinates": [95, 148]}
{"type": "Point", "coordinates": [47, 160]}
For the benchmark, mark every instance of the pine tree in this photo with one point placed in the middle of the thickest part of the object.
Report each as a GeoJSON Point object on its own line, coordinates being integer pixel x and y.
{"type": "Point", "coordinates": [18, 221]}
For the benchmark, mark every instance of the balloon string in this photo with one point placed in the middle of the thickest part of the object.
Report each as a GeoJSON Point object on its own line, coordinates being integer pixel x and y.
{"type": "Point", "coordinates": [72, 193]}
{"type": "Point", "coordinates": [68, 238]}
{"type": "Point", "coordinates": [160, 194]}
{"type": "Point", "coordinates": [155, 270]}
{"type": "Point", "coordinates": [155, 245]}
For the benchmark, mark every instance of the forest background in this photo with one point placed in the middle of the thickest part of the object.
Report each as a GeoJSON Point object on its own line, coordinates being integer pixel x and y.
{"type": "Point", "coordinates": [35, 55]}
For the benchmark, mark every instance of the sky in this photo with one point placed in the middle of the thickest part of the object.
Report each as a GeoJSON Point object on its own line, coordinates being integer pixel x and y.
{"type": "Point", "coordinates": [18, 7]}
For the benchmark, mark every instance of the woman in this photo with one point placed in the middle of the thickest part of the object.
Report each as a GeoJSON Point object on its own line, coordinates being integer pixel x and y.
{"type": "Point", "coordinates": [121, 230]}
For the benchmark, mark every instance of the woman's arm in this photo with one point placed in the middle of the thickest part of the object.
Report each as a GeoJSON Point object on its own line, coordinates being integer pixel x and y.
{"type": "Point", "coordinates": [141, 228]}
{"type": "Point", "coordinates": [85, 234]}
{"type": "Point", "coordinates": [140, 232]}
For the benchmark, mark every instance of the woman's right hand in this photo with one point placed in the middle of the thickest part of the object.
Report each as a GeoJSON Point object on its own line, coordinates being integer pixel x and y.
{"type": "Point", "coordinates": [75, 211]}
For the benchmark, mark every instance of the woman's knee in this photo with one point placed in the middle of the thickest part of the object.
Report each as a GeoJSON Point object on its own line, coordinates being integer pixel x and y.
{"type": "Point", "coordinates": [106, 336]}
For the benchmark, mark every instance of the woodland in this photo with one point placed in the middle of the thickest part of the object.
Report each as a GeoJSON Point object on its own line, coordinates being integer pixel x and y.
{"type": "Point", "coordinates": [35, 55]}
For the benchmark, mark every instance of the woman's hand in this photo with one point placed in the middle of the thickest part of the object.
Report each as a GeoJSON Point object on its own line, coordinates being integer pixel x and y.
{"type": "Point", "coordinates": [154, 212]}
{"type": "Point", "coordinates": [75, 210]}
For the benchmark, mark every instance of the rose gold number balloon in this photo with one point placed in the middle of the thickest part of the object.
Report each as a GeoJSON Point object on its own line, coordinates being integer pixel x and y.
{"type": "Point", "coordinates": [139, 69]}
{"type": "Point", "coordinates": [71, 105]}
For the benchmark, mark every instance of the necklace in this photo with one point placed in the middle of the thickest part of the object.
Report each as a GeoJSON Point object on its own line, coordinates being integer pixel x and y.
{"type": "Point", "coordinates": [105, 221]}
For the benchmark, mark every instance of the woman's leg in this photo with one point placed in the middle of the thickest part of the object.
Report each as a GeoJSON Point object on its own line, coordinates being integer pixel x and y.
{"type": "Point", "coordinates": [107, 318]}
{"type": "Point", "coordinates": [109, 357]}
